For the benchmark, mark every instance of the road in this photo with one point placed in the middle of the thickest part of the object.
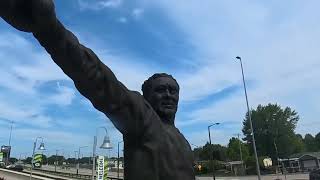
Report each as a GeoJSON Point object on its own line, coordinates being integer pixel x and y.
{"type": "Point", "coordinates": [269, 177]}
{"type": "Point", "coordinates": [12, 175]}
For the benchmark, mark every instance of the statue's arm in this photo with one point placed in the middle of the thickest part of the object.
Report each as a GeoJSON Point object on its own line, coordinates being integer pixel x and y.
{"type": "Point", "coordinates": [126, 109]}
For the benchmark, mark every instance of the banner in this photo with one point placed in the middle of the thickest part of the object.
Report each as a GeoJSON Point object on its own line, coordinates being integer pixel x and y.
{"type": "Point", "coordinates": [1, 157]}
{"type": "Point", "coordinates": [100, 168]}
{"type": "Point", "coordinates": [105, 168]}
{"type": "Point", "coordinates": [37, 161]}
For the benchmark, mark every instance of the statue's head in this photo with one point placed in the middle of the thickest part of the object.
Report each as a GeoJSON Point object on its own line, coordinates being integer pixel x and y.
{"type": "Point", "coordinates": [162, 92]}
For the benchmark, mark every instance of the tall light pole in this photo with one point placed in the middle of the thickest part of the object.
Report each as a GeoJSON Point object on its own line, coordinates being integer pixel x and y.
{"type": "Point", "coordinates": [118, 162]}
{"type": "Point", "coordinates": [105, 145]}
{"type": "Point", "coordinates": [211, 153]}
{"type": "Point", "coordinates": [78, 164]}
{"type": "Point", "coordinates": [10, 133]}
{"type": "Point", "coordinates": [250, 120]}
{"type": "Point", "coordinates": [41, 147]}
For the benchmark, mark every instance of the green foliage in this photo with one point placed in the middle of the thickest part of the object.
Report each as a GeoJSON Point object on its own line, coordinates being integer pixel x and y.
{"type": "Point", "coordinates": [71, 160]}
{"type": "Point", "coordinates": [233, 150]}
{"type": "Point", "coordinates": [54, 158]}
{"type": "Point", "coordinates": [317, 140]}
{"type": "Point", "coordinates": [28, 160]}
{"type": "Point", "coordinates": [310, 143]}
{"type": "Point", "coordinates": [274, 129]}
{"type": "Point", "coordinates": [218, 151]}
{"type": "Point", "coordinates": [13, 160]}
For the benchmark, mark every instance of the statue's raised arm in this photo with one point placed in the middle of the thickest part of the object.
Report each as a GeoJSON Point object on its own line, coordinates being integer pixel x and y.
{"type": "Point", "coordinates": [92, 78]}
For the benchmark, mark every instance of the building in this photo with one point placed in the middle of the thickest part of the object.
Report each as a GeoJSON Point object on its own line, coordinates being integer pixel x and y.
{"type": "Point", "coordinates": [302, 162]}
{"type": "Point", "coordinates": [236, 167]}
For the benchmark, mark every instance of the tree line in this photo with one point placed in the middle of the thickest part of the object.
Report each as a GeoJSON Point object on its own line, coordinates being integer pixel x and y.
{"type": "Point", "coordinates": [274, 129]}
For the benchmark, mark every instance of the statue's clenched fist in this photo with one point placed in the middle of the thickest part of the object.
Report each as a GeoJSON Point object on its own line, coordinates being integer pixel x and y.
{"type": "Point", "coordinates": [28, 15]}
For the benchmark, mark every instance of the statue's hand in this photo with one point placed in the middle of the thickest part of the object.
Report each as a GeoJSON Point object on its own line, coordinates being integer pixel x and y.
{"type": "Point", "coordinates": [28, 15]}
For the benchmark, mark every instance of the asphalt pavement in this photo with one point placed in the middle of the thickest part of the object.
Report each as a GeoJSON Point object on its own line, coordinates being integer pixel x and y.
{"type": "Point", "coordinates": [267, 177]}
{"type": "Point", "coordinates": [13, 175]}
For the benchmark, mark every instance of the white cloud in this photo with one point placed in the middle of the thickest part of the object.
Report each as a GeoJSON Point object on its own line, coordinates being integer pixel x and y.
{"type": "Point", "coordinates": [122, 20]}
{"type": "Point", "coordinates": [280, 55]}
{"type": "Point", "coordinates": [64, 96]}
{"type": "Point", "coordinates": [137, 12]}
{"type": "Point", "coordinates": [99, 4]}
{"type": "Point", "coordinates": [110, 3]}
{"type": "Point", "coordinates": [21, 75]}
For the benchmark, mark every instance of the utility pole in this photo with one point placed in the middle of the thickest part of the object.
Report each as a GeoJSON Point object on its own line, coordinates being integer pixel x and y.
{"type": "Point", "coordinates": [240, 153]}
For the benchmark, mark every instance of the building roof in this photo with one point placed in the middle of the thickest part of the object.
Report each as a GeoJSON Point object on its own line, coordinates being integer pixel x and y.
{"type": "Point", "coordinates": [299, 155]}
{"type": "Point", "coordinates": [233, 163]}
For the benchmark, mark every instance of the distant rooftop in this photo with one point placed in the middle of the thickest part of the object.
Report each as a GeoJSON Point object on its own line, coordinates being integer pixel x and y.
{"type": "Point", "coordinates": [299, 155]}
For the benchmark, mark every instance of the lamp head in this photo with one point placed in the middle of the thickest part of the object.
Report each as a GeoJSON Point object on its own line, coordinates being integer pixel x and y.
{"type": "Point", "coordinates": [106, 143]}
{"type": "Point", "coordinates": [238, 57]}
{"type": "Point", "coordinates": [41, 147]}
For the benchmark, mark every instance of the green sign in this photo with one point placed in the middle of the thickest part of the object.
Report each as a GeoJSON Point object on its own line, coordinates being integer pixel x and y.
{"type": "Point", "coordinates": [37, 160]}
{"type": "Point", "coordinates": [1, 156]}
{"type": "Point", "coordinates": [105, 168]}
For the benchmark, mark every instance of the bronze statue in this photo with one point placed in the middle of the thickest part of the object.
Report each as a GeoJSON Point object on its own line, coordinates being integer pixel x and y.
{"type": "Point", "coordinates": [154, 149]}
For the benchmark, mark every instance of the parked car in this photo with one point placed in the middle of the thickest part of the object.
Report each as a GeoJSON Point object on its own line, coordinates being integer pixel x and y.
{"type": "Point", "coordinates": [15, 167]}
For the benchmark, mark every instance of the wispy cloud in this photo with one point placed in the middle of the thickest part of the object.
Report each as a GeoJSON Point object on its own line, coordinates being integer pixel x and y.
{"type": "Point", "coordinates": [122, 20]}
{"type": "Point", "coordinates": [99, 4]}
{"type": "Point", "coordinates": [137, 12]}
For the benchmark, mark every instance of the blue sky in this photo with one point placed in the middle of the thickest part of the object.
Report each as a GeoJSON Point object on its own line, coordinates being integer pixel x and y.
{"type": "Point", "coordinates": [195, 42]}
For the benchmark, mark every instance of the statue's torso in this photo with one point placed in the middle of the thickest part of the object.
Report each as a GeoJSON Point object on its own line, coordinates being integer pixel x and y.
{"type": "Point", "coordinates": [162, 153]}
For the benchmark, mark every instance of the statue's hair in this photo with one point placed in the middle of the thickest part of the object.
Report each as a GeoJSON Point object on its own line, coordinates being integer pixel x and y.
{"type": "Point", "coordinates": [146, 86]}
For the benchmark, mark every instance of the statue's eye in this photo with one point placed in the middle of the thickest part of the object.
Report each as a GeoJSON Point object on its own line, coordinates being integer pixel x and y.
{"type": "Point", "coordinates": [173, 91]}
{"type": "Point", "coordinates": [161, 89]}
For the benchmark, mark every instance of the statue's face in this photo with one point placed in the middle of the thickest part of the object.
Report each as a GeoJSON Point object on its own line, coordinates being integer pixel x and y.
{"type": "Point", "coordinates": [164, 97]}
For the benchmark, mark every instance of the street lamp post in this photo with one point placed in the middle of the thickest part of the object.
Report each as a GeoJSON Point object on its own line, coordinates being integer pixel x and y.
{"type": "Point", "coordinates": [105, 145]}
{"type": "Point", "coordinates": [10, 133]}
{"type": "Point", "coordinates": [118, 162]}
{"type": "Point", "coordinates": [78, 164]}
{"type": "Point", "coordinates": [41, 147]}
{"type": "Point", "coordinates": [250, 120]}
{"type": "Point", "coordinates": [211, 153]}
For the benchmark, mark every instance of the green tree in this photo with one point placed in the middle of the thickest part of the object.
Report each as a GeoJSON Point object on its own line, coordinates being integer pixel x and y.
{"type": "Point", "coordinates": [71, 160]}
{"type": "Point", "coordinates": [274, 129]}
{"type": "Point", "coordinates": [196, 153]}
{"type": "Point", "coordinates": [310, 143]}
{"type": "Point", "coordinates": [13, 160]}
{"type": "Point", "coordinates": [28, 160]}
{"type": "Point", "coordinates": [233, 150]}
{"type": "Point", "coordinates": [317, 140]}
{"type": "Point", "coordinates": [218, 151]}
{"type": "Point", "coordinates": [54, 158]}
